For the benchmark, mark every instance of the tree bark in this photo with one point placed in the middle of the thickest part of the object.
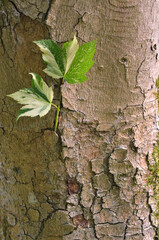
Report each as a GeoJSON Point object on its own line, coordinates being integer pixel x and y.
{"type": "Point", "coordinates": [89, 180]}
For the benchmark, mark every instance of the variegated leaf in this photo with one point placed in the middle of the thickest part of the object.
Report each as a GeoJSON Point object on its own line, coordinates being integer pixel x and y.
{"type": "Point", "coordinates": [37, 100]}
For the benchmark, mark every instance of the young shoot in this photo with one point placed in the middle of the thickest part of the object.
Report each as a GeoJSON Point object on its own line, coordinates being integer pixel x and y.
{"type": "Point", "coordinates": [69, 63]}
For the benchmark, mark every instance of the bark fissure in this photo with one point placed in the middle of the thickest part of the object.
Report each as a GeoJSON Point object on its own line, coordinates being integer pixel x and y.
{"type": "Point", "coordinates": [150, 217]}
{"type": "Point", "coordinates": [49, 7]}
{"type": "Point", "coordinates": [15, 6]}
{"type": "Point", "coordinates": [43, 224]}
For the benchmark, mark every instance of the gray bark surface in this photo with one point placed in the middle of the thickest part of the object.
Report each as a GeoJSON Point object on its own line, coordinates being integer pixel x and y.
{"type": "Point", "coordinates": [87, 182]}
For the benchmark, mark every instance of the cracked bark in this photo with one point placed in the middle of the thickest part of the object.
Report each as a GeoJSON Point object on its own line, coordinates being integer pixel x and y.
{"type": "Point", "coordinates": [90, 182]}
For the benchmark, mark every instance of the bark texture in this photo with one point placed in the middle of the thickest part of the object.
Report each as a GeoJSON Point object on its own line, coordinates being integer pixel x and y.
{"type": "Point", "coordinates": [89, 182]}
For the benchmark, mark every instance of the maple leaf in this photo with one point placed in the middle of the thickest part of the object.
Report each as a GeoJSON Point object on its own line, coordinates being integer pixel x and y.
{"type": "Point", "coordinates": [37, 100]}
{"type": "Point", "coordinates": [70, 62]}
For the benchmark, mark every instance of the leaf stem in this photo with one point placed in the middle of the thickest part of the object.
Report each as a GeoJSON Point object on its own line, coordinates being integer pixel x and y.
{"type": "Point", "coordinates": [57, 117]}
{"type": "Point", "coordinates": [57, 110]}
{"type": "Point", "coordinates": [54, 105]}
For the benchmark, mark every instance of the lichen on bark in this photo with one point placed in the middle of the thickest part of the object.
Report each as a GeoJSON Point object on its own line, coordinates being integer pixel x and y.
{"type": "Point", "coordinates": [153, 177]}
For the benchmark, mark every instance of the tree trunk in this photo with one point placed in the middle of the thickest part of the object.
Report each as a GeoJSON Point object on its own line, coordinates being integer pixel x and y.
{"type": "Point", "coordinates": [88, 181]}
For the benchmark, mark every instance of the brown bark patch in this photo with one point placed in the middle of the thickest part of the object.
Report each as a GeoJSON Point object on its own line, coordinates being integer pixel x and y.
{"type": "Point", "coordinates": [79, 220]}
{"type": "Point", "coordinates": [73, 186]}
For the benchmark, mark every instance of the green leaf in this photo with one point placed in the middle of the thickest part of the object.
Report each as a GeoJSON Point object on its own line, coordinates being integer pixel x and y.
{"type": "Point", "coordinates": [69, 62]}
{"type": "Point", "coordinates": [37, 100]}
{"type": "Point", "coordinates": [53, 56]}
{"type": "Point", "coordinates": [71, 49]}
{"type": "Point", "coordinates": [81, 63]}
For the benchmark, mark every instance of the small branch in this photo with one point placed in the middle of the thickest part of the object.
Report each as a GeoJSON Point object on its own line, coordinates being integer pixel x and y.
{"type": "Point", "coordinates": [57, 117]}
{"type": "Point", "coordinates": [58, 108]}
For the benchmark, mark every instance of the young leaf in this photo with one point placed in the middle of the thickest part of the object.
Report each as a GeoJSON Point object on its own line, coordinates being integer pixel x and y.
{"type": "Point", "coordinates": [81, 63]}
{"type": "Point", "coordinates": [53, 56]}
{"type": "Point", "coordinates": [37, 100]}
{"type": "Point", "coordinates": [71, 49]}
{"type": "Point", "coordinates": [70, 62]}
